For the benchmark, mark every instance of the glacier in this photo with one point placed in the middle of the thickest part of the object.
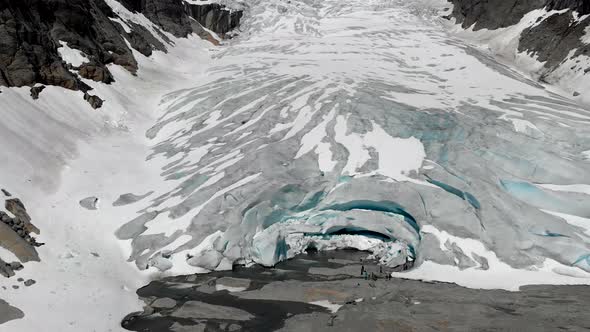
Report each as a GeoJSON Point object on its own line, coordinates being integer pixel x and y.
{"type": "Point", "coordinates": [322, 125]}
{"type": "Point", "coordinates": [315, 128]}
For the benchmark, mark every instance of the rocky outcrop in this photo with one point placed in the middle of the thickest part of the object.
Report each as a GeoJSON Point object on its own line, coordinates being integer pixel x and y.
{"type": "Point", "coordinates": [30, 35]}
{"type": "Point", "coordinates": [549, 40]}
{"type": "Point", "coordinates": [94, 101]}
{"type": "Point", "coordinates": [15, 236]}
{"type": "Point", "coordinates": [17, 208]}
{"type": "Point", "coordinates": [36, 90]}
{"type": "Point", "coordinates": [96, 72]}
{"type": "Point", "coordinates": [581, 6]}
{"type": "Point", "coordinates": [168, 14]}
{"type": "Point", "coordinates": [8, 269]}
{"type": "Point", "coordinates": [142, 40]}
{"type": "Point", "coordinates": [32, 31]}
{"type": "Point", "coordinates": [553, 38]}
{"type": "Point", "coordinates": [215, 17]}
{"type": "Point", "coordinates": [175, 16]}
{"type": "Point", "coordinates": [494, 14]}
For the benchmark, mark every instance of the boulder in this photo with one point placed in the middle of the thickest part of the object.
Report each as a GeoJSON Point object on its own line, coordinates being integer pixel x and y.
{"type": "Point", "coordinates": [89, 203]}
{"type": "Point", "coordinates": [94, 101]}
{"type": "Point", "coordinates": [36, 90]}
{"type": "Point", "coordinates": [96, 72]}
{"type": "Point", "coordinates": [17, 208]}
{"type": "Point", "coordinates": [170, 15]}
{"type": "Point", "coordinates": [13, 242]}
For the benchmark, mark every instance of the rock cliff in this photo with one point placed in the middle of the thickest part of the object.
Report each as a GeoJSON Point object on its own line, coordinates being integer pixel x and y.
{"type": "Point", "coordinates": [33, 31]}
{"type": "Point", "coordinates": [552, 39]}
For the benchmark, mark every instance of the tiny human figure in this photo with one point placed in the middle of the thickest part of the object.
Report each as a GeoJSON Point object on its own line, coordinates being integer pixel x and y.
{"type": "Point", "coordinates": [362, 269]}
{"type": "Point", "coordinates": [380, 269]}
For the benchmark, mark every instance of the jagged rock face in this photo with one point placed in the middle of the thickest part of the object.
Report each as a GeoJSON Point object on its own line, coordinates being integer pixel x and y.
{"type": "Point", "coordinates": [91, 31]}
{"type": "Point", "coordinates": [492, 14]}
{"type": "Point", "coordinates": [133, 5]}
{"type": "Point", "coordinates": [581, 6]}
{"type": "Point", "coordinates": [15, 236]}
{"type": "Point", "coordinates": [96, 72]}
{"type": "Point", "coordinates": [175, 16]}
{"type": "Point", "coordinates": [27, 53]}
{"type": "Point", "coordinates": [553, 38]}
{"type": "Point", "coordinates": [168, 14]}
{"type": "Point", "coordinates": [215, 17]}
{"type": "Point", "coordinates": [142, 40]}
{"type": "Point", "coordinates": [36, 90]}
{"type": "Point", "coordinates": [94, 101]}
{"type": "Point", "coordinates": [30, 31]}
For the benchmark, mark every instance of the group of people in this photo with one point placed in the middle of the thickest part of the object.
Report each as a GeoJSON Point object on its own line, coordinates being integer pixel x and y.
{"type": "Point", "coordinates": [372, 275]}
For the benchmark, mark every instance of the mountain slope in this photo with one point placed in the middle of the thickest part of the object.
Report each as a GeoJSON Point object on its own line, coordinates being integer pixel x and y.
{"type": "Point", "coordinates": [547, 38]}
{"type": "Point", "coordinates": [41, 39]}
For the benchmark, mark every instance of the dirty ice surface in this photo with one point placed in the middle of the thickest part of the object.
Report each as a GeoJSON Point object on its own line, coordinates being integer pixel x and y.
{"type": "Point", "coordinates": [362, 124]}
{"type": "Point", "coordinates": [356, 124]}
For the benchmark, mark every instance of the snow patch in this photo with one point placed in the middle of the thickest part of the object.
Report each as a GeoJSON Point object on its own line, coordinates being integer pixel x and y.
{"type": "Point", "coordinates": [499, 275]}
{"type": "Point", "coordinates": [220, 287]}
{"type": "Point", "coordinates": [71, 56]}
{"type": "Point", "coordinates": [333, 307]}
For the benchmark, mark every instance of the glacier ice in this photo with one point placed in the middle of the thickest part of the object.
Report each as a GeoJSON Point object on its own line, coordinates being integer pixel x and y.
{"type": "Point", "coordinates": [318, 129]}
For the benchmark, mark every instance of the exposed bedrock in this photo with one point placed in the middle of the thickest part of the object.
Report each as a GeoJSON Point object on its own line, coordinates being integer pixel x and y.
{"type": "Point", "coordinates": [494, 14]}
{"type": "Point", "coordinates": [30, 32]}
{"type": "Point", "coordinates": [215, 17]}
{"type": "Point", "coordinates": [175, 16]}
{"type": "Point", "coordinates": [550, 40]}
{"type": "Point", "coordinates": [33, 31]}
{"type": "Point", "coordinates": [581, 6]}
{"type": "Point", "coordinates": [168, 14]}
{"type": "Point", "coordinates": [554, 38]}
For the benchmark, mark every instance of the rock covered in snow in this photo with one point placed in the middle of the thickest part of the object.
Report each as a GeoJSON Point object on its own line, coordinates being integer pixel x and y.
{"type": "Point", "coordinates": [89, 203]}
